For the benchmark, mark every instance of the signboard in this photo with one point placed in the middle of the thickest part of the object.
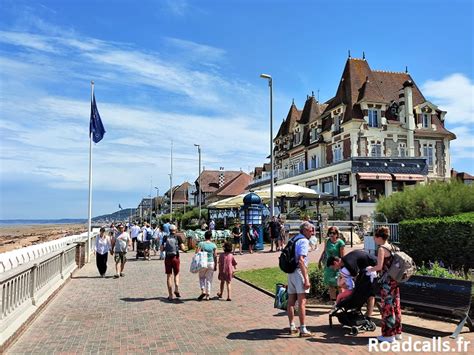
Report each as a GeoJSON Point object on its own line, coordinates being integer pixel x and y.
{"type": "Point", "coordinates": [344, 179]}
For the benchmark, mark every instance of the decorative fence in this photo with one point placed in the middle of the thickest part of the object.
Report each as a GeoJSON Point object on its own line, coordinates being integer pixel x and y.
{"type": "Point", "coordinates": [25, 287]}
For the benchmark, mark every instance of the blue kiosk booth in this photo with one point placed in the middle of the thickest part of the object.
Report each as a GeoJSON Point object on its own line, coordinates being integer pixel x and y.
{"type": "Point", "coordinates": [251, 213]}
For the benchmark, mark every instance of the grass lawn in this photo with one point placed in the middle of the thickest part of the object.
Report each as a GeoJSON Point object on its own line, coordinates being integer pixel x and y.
{"type": "Point", "coordinates": [267, 278]}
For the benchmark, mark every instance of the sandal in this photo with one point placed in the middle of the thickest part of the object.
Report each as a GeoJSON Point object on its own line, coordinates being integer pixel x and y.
{"type": "Point", "coordinates": [176, 293]}
{"type": "Point", "coordinates": [219, 295]}
{"type": "Point", "coordinates": [229, 299]}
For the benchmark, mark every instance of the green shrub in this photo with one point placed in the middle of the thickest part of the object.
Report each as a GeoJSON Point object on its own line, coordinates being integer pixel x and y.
{"type": "Point", "coordinates": [436, 270]}
{"type": "Point", "coordinates": [431, 200]}
{"type": "Point", "coordinates": [318, 288]}
{"type": "Point", "coordinates": [446, 239]}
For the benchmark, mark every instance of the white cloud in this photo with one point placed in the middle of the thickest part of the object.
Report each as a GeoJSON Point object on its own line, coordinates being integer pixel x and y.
{"type": "Point", "coordinates": [454, 94]}
{"type": "Point", "coordinates": [177, 7]}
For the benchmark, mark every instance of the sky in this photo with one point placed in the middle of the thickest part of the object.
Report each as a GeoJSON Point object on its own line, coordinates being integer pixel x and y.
{"type": "Point", "coordinates": [188, 72]}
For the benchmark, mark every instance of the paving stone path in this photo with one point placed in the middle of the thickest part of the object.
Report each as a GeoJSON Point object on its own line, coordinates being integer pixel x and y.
{"type": "Point", "coordinates": [132, 315]}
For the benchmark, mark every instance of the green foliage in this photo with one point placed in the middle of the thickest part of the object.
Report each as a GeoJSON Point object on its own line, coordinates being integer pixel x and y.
{"type": "Point", "coordinates": [436, 270]}
{"type": "Point", "coordinates": [318, 288]}
{"type": "Point", "coordinates": [339, 214]}
{"type": "Point", "coordinates": [431, 200]}
{"type": "Point", "coordinates": [446, 239]}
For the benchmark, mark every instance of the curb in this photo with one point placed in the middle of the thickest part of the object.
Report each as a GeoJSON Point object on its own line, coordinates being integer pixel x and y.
{"type": "Point", "coordinates": [255, 287]}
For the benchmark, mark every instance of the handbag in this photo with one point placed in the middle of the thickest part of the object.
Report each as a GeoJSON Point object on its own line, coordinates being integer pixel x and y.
{"type": "Point", "coordinates": [198, 262]}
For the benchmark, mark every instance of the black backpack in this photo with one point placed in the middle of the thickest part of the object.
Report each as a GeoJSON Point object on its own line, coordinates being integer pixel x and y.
{"type": "Point", "coordinates": [287, 260]}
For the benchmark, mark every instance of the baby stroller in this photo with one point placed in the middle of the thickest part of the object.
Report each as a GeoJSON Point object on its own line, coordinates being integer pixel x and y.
{"type": "Point", "coordinates": [348, 311]}
{"type": "Point", "coordinates": [143, 250]}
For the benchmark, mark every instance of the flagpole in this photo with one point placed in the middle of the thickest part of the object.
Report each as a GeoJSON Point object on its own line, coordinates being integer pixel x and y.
{"type": "Point", "coordinates": [90, 187]}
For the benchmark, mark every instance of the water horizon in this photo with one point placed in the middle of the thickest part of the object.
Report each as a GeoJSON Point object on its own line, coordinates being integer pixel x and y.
{"type": "Point", "coordinates": [16, 222]}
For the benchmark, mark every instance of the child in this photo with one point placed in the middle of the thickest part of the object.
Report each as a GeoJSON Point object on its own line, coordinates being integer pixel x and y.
{"type": "Point", "coordinates": [227, 265]}
{"type": "Point", "coordinates": [346, 283]}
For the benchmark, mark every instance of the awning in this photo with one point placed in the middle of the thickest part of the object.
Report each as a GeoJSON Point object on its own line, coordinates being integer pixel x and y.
{"type": "Point", "coordinates": [409, 177]}
{"type": "Point", "coordinates": [374, 176]}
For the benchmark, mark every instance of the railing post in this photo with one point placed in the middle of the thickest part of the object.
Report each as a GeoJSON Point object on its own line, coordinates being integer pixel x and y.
{"type": "Point", "coordinates": [61, 264]}
{"type": "Point", "coordinates": [34, 273]}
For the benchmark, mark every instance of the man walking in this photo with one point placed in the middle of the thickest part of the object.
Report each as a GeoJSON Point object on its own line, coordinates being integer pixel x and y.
{"type": "Point", "coordinates": [298, 280]}
{"type": "Point", "coordinates": [237, 237]}
{"type": "Point", "coordinates": [275, 230]}
{"type": "Point", "coordinates": [120, 244]}
{"type": "Point", "coordinates": [134, 232]}
{"type": "Point", "coordinates": [171, 245]}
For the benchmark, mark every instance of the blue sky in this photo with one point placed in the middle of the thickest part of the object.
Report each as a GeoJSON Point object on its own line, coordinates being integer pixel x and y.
{"type": "Point", "coordinates": [189, 71]}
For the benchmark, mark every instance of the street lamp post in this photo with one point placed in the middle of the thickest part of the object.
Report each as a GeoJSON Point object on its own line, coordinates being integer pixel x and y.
{"type": "Point", "coordinates": [171, 197]}
{"type": "Point", "coordinates": [157, 198]}
{"type": "Point", "coordinates": [199, 180]}
{"type": "Point", "coordinates": [270, 84]}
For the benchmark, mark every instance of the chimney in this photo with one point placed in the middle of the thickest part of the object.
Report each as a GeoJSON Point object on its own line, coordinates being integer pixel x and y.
{"type": "Point", "coordinates": [409, 117]}
{"type": "Point", "coordinates": [221, 176]}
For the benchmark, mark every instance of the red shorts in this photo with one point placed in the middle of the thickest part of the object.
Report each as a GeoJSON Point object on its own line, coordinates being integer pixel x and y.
{"type": "Point", "coordinates": [172, 265]}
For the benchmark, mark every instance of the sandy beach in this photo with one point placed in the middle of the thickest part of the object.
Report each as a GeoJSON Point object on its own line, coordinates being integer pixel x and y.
{"type": "Point", "coordinates": [19, 236]}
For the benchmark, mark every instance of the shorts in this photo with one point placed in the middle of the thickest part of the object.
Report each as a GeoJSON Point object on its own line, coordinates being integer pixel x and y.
{"type": "Point", "coordinates": [296, 283]}
{"type": "Point", "coordinates": [236, 240]}
{"type": "Point", "coordinates": [120, 257]}
{"type": "Point", "coordinates": [172, 265]}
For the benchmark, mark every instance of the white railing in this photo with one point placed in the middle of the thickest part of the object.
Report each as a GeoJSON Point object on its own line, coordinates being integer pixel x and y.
{"type": "Point", "coordinates": [25, 287]}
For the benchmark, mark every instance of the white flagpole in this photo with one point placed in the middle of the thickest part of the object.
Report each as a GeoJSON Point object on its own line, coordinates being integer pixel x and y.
{"type": "Point", "coordinates": [90, 187]}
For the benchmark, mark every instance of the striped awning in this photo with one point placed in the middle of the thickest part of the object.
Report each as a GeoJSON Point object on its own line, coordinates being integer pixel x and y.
{"type": "Point", "coordinates": [408, 177]}
{"type": "Point", "coordinates": [374, 176]}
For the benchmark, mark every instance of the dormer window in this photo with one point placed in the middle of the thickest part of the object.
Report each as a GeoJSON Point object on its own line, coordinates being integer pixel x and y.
{"type": "Point", "coordinates": [297, 138]}
{"type": "Point", "coordinates": [373, 118]}
{"type": "Point", "coordinates": [337, 124]}
{"type": "Point", "coordinates": [426, 120]}
{"type": "Point", "coordinates": [314, 134]}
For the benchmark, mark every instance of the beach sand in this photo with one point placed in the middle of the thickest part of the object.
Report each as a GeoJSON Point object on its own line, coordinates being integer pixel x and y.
{"type": "Point", "coordinates": [19, 236]}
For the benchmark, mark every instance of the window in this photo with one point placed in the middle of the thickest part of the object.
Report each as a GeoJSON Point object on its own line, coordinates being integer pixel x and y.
{"type": "Point", "coordinates": [314, 163]}
{"type": "Point", "coordinates": [314, 134]}
{"type": "Point", "coordinates": [337, 152]}
{"type": "Point", "coordinates": [375, 149]}
{"type": "Point", "coordinates": [428, 153]}
{"type": "Point", "coordinates": [370, 191]}
{"type": "Point", "coordinates": [297, 138]}
{"type": "Point", "coordinates": [337, 124]}
{"type": "Point", "coordinates": [402, 150]}
{"type": "Point", "coordinates": [301, 165]}
{"type": "Point", "coordinates": [328, 187]}
{"type": "Point", "coordinates": [426, 120]}
{"type": "Point", "coordinates": [373, 118]}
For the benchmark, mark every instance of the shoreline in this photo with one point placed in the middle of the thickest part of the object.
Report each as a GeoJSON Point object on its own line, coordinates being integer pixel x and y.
{"type": "Point", "coordinates": [21, 235]}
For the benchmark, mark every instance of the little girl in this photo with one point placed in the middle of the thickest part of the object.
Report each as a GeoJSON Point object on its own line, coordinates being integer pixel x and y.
{"type": "Point", "coordinates": [227, 265]}
{"type": "Point", "coordinates": [346, 283]}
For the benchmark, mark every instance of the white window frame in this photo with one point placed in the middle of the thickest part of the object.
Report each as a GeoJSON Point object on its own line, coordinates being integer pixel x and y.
{"type": "Point", "coordinates": [370, 117]}
{"type": "Point", "coordinates": [337, 123]}
{"type": "Point", "coordinates": [375, 145]}
{"type": "Point", "coordinates": [426, 120]}
{"type": "Point", "coordinates": [337, 153]}
{"type": "Point", "coordinates": [314, 162]}
{"type": "Point", "coordinates": [402, 148]}
{"type": "Point", "coordinates": [428, 152]}
{"type": "Point", "coordinates": [314, 134]}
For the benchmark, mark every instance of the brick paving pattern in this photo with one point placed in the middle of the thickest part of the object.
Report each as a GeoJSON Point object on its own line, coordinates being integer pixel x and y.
{"type": "Point", "coordinates": [132, 315]}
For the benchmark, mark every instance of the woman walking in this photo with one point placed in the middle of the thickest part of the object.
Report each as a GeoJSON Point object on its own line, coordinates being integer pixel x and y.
{"type": "Point", "coordinates": [205, 275]}
{"type": "Point", "coordinates": [102, 248]}
{"type": "Point", "coordinates": [227, 265]}
{"type": "Point", "coordinates": [389, 289]}
{"type": "Point", "coordinates": [334, 247]}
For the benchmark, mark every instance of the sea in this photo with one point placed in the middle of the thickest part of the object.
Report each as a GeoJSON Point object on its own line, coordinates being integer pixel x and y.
{"type": "Point", "coordinates": [16, 222]}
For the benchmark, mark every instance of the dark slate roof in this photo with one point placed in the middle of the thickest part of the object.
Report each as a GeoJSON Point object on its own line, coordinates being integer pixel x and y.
{"type": "Point", "coordinates": [390, 165]}
{"type": "Point", "coordinates": [311, 111]}
{"type": "Point", "coordinates": [293, 116]}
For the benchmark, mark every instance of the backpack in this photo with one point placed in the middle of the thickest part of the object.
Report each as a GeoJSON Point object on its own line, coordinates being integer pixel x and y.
{"type": "Point", "coordinates": [402, 266]}
{"type": "Point", "coordinates": [287, 260]}
{"type": "Point", "coordinates": [149, 234]}
{"type": "Point", "coordinates": [171, 245]}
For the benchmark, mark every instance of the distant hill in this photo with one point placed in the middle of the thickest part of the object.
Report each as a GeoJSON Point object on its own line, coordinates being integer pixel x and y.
{"type": "Point", "coordinates": [121, 215]}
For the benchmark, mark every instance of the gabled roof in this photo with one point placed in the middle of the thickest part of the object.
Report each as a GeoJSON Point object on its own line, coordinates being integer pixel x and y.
{"type": "Point", "coordinates": [293, 116]}
{"type": "Point", "coordinates": [234, 187]}
{"type": "Point", "coordinates": [210, 179]}
{"type": "Point", "coordinates": [311, 110]}
{"type": "Point", "coordinates": [180, 193]}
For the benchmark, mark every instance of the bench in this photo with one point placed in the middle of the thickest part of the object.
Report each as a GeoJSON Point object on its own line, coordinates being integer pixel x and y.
{"type": "Point", "coordinates": [439, 296]}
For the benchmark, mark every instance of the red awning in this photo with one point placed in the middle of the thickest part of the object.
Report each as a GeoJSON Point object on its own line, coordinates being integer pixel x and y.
{"type": "Point", "coordinates": [409, 177]}
{"type": "Point", "coordinates": [374, 176]}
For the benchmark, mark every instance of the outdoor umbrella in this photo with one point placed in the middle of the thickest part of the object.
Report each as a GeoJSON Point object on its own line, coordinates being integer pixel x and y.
{"type": "Point", "coordinates": [289, 191]}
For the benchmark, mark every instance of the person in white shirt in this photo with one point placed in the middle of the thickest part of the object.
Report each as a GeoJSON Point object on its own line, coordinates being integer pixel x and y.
{"type": "Point", "coordinates": [298, 280]}
{"type": "Point", "coordinates": [102, 248]}
{"type": "Point", "coordinates": [134, 232]}
{"type": "Point", "coordinates": [120, 245]}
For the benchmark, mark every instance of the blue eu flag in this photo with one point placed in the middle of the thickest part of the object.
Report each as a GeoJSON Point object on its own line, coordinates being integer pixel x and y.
{"type": "Point", "coordinates": [96, 128]}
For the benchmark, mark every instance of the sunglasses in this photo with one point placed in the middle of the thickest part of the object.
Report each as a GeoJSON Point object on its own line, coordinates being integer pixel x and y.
{"type": "Point", "coordinates": [332, 233]}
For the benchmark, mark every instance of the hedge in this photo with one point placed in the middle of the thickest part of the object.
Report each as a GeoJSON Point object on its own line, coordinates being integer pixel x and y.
{"type": "Point", "coordinates": [446, 239]}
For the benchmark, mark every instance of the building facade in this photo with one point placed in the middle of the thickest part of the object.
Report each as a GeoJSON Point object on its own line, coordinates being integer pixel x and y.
{"type": "Point", "coordinates": [377, 135]}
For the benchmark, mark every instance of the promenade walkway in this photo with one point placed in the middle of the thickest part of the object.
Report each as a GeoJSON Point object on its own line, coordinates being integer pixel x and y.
{"type": "Point", "coordinates": [132, 315]}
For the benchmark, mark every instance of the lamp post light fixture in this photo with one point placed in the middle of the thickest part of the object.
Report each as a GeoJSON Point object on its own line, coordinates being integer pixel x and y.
{"type": "Point", "coordinates": [199, 180]}
{"type": "Point", "coordinates": [270, 85]}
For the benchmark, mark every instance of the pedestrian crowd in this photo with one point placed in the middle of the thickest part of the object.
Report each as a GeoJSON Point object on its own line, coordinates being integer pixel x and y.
{"type": "Point", "coordinates": [342, 271]}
